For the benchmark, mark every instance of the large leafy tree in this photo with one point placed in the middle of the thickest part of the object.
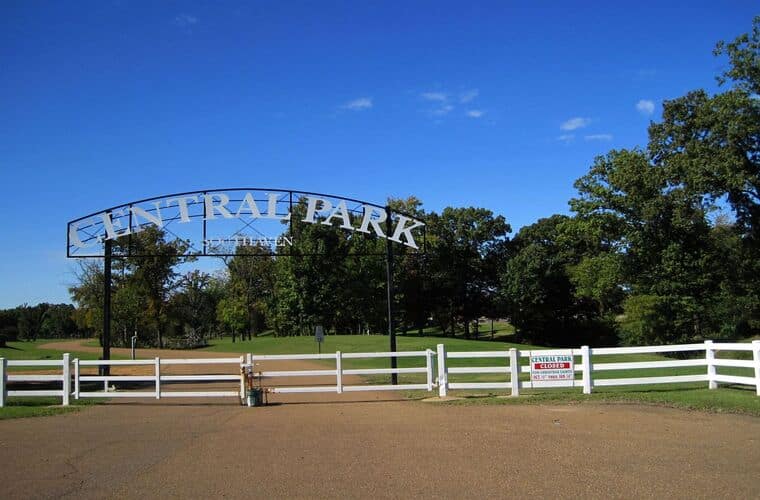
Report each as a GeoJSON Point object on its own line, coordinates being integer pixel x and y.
{"type": "Point", "coordinates": [464, 245]}
{"type": "Point", "coordinates": [194, 305]}
{"type": "Point", "coordinates": [251, 278]}
{"type": "Point", "coordinates": [662, 249]}
{"type": "Point", "coordinates": [154, 276]}
{"type": "Point", "coordinates": [539, 284]}
{"type": "Point", "coordinates": [409, 281]}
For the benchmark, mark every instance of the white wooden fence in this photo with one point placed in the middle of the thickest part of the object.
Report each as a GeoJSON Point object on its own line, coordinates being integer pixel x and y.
{"type": "Point", "coordinates": [71, 370]}
{"type": "Point", "coordinates": [589, 368]}
{"type": "Point", "coordinates": [338, 372]}
{"type": "Point", "coordinates": [506, 363]}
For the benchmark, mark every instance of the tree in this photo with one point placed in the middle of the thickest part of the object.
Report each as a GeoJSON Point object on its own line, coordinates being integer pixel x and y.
{"type": "Point", "coordinates": [141, 286]}
{"type": "Point", "coordinates": [331, 278]}
{"type": "Point", "coordinates": [464, 245]}
{"type": "Point", "coordinates": [59, 322]}
{"type": "Point", "coordinates": [153, 276]}
{"type": "Point", "coordinates": [30, 319]}
{"type": "Point", "coordinates": [537, 285]}
{"type": "Point", "coordinates": [193, 306]}
{"type": "Point", "coordinates": [251, 277]}
{"type": "Point", "coordinates": [410, 285]}
{"type": "Point", "coordinates": [663, 250]}
{"type": "Point", "coordinates": [8, 325]}
{"type": "Point", "coordinates": [87, 294]}
{"type": "Point", "coordinates": [231, 313]}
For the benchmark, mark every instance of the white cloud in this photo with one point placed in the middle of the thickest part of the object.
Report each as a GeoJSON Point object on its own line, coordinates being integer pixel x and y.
{"type": "Point", "coordinates": [185, 20]}
{"type": "Point", "coordinates": [575, 123]}
{"type": "Point", "coordinates": [435, 96]}
{"type": "Point", "coordinates": [645, 107]}
{"type": "Point", "coordinates": [598, 137]}
{"type": "Point", "coordinates": [566, 137]}
{"type": "Point", "coordinates": [443, 110]}
{"type": "Point", "coordinates": [359, 104]}
{"type": "Point", "coordinates": [468, 96]}
{"type": "Point", "coordinates": [475, 113]}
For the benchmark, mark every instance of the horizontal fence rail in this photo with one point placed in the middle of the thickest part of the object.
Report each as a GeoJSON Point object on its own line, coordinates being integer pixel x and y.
{"type": "Point", "coordinates": [510, 369]}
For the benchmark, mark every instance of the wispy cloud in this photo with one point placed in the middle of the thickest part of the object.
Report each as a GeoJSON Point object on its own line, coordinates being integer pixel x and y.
{"type": "Point", "coordinates": [443, 110]}
{"type": "Point", "coordinates": [468, 96]}
{"type": "Point", "coordinates": [575, 123]}
{"type": "Point", "coordinates": [566, 138]}
{"type": "Point", "coordinates": [645, 107]}
{"type": "Point", "coordinates": [435, 96]}
{"type": "Point", "coordinates": [185, 21]}
{"type": "Point", "coordinates": [598, 137]}
{"type": "Point", "coordinates": [359, 104]}
{"type": "Point", "coordinates": [442, 102]}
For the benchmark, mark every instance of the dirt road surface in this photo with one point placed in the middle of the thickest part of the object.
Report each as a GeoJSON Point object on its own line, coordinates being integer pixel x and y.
{"type": "Point", "coordinates": [327, 446]}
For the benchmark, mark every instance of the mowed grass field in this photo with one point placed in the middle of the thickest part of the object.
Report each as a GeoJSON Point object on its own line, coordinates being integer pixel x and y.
{"type": "Point", "coordinates": [696, 395]}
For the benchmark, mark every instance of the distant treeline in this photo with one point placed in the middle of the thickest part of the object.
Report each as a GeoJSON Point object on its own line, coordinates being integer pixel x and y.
{"type": "Point", "coordinates": [662, 246]}
{"type": "Point", "coordinates": [44, 320]}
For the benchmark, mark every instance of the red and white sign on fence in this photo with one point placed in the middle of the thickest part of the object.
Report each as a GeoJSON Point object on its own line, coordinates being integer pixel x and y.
{"type": "Point", "coordinates": [545, 367]}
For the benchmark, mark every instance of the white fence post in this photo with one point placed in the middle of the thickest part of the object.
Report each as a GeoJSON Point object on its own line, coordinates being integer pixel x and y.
{"type": "Point", "coordinates": [756, 358]}
{"type": "Point", "coordinates": [443, 375]}
{"type": "Point", "coordinates": [586, 360]}
{"type": "Point", "coordinates": [158, 378]}
{"type": "Point", "coordinates": [338, 372]}
{"type": "Point", "coordinates": [514, 371]}
{"type": "Point", "coordinates": [76, 378]}
{"type": "Point", "coordinates": [249, 357]}
{"type": "Point", "coordinates": [66, 378]}
{"type": "Point", "coordinates": [429, 365]}
{"type": "Point", "coordinates": [710, 360]}
{"type": "Point", "coordinates": [3, 381]}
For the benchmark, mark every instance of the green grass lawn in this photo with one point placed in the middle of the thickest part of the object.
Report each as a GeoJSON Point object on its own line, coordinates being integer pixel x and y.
{"type": "Point", "coordinates": [41, 407]}
{"type": "Point", "coordinates": [737, 399]}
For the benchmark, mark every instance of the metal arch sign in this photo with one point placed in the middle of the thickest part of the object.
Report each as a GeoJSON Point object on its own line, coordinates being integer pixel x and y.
{"type": "Point", "coordinates": [239, 216]}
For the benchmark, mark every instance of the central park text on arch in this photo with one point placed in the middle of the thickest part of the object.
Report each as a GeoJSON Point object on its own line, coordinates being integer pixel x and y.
{"type": "Point", "coordinates": [218, 205]}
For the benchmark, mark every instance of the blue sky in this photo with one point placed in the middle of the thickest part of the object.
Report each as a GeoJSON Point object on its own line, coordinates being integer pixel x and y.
{"type": "Point", "coordinates": [501, 105]}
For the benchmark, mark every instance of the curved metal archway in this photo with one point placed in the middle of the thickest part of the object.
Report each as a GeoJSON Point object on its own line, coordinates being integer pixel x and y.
{"type": "Point", "coordinates": [225, 218]}
{"type": "Point", "coordinates": [237, 216]}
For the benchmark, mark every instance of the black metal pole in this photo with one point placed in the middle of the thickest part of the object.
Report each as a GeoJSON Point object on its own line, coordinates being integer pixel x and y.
{"type": "Point", "coordinates": [389, 287]}
{"type": "Point", "coordinates": [105, 369]}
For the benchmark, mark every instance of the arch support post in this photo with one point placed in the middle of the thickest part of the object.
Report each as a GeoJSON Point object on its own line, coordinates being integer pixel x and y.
{"type": "Point", "coordinates": [105, 370]}
{"type": "Point", "coordinates": [389, 288]}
